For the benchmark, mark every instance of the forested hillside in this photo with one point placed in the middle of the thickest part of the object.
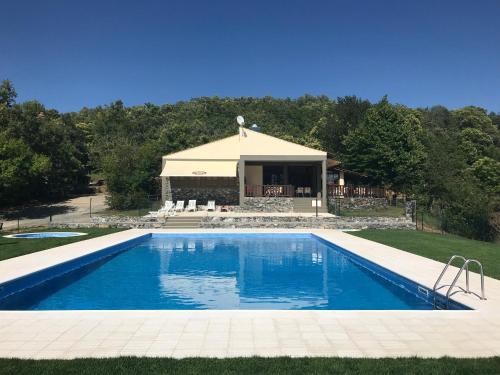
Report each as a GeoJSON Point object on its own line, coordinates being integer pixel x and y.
{"type": "Point", "coordinates": [448, 159]}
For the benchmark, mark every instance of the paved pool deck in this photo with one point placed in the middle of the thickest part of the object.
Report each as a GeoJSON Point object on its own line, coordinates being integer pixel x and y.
{"type": "Point", "coordinates": [235, 333]}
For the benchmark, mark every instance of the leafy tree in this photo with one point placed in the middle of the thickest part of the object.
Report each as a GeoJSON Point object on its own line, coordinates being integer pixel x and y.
{"type": "Point", "coordinates": [129, 169]}
{"type": "Point", "coordinates": [487, 171]}
{"type": "Point", "coordinates": [348, 114]}
{"type": "Point", "coordinates": [7, 93]}
{"type": "Point", "coordinates": [474, 143]}
{"type": "Point", "coordinates": [468, 212]}
{"type": "Point", "coordinates": [387, 147]}
{"type": "Point", "coordinates": [43, 154]}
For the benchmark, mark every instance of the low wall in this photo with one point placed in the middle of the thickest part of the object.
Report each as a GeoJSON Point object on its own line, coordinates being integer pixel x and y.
{"type": "Point", "coordinates": [253, 222]}
{"type": "Point", "coordinates": [126, 222]}
{"type": "Point", "coordinates": [361, 203]}
{"type": "Point", "coordinates": [265, 204]}
{"type": "Point", "coordinates": [307, 222]}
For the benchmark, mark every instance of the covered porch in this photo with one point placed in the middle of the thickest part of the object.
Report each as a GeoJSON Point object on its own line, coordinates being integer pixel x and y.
{"type": "Point", "coordinates": [283, 179]}
{"type": "Point", "coordinates": [289, 179]}
{"type": "Point", "coordinates": [342, 183]}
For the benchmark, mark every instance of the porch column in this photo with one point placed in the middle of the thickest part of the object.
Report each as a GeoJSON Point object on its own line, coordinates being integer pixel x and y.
{"type": "Point", "coordinates": [341, 178]}
{"type": "Point", "coordinates": [166, 190]}
{"type": "Point", "coordinates": [285, 174]}
{"type": "Point", "coordinates": [241, 171]}
{"type": "Point", "coordinates": [324, 192]}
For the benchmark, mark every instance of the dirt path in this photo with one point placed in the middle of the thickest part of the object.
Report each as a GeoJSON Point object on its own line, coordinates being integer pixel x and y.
{"type": "Point", "coordinates": [74, 210]}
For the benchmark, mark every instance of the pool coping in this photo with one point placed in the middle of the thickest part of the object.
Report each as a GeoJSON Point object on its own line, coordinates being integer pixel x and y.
{"type": "Point", "coordinates": [226, 333]}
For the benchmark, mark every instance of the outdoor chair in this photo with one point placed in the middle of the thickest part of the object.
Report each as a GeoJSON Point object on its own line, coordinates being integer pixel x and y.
{"type": "Point", "coordinates": [192, 205]}
{"type": "Point", "coordinates": [299, 191]}
{"type": "Point", "coordinates": [163, 211]}
{"type": "Point", "coordinates": [307, 191]}
{"type": "Point", "coordinates": [179, 207]}
{"type": "Point", "coordinates": [211, 206]}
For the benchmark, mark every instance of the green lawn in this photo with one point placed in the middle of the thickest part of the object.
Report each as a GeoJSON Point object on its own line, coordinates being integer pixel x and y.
{"type": "Point", "coordinates": [439, 247]}
{"type": "Point", "coordinates": [14, 247]}
{"type": "Point", "coordinates": [155, 206]}
{"type": "Point", "coordinates": [153, 366]}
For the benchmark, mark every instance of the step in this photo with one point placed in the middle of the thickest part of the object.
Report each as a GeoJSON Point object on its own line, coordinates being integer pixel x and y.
{"type": "Point", "coordinates": [181, 226]}
{"type": "Point", "coordinates": [183, 219]}
{"type": "Point", "coordinates": [184, 222]}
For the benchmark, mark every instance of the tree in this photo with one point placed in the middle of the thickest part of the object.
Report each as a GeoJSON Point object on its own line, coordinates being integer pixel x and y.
{"type": "Point", "coordinates": [487, 171]}
{"type": "Point", "coordinates": [7, 93]}
{"type": "Point", "coordinates": [474, 143]}
{"type": "Point", "coordinates": [19, 168]}
{"type": "Point", "coordinates": [387, 147]}
{"type": "Point", "coordinates": [129, 170]}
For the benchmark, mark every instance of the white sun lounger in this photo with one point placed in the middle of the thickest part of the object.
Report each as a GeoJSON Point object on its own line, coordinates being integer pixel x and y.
{"type": "Point", "coordinates": [211, 206]}
{"type": "Point", "coordinates": [179, 206]}
{"type": "Point", "coordinates": [192, 205]}
{"type": "Point", "coordinates": [164, 210]}
{"type": "Point", "coordinates": [168, 206]}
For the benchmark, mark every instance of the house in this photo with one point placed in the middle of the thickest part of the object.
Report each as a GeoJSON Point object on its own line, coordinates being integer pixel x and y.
{"type": "Point", "coordinates": [247, 167]}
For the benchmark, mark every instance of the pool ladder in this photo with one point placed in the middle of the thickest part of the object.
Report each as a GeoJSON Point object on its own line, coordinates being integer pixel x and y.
{"type": "Point", "coordinates": [449, 293]}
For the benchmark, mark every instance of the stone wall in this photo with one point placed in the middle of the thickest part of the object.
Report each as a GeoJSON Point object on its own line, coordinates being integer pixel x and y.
{"type": "Point", "coordinates": [362, 203]}
{"type": "Point", "coordinates": [307, 222]}
{"type": "Point", "coordinates": [265, 204]}
{"type": "Point", "coordinates": [113, 222]}
{"type": "Point", "coordinates": [253, 222]}
{"type": "Point", "coordinates": [224, 191]}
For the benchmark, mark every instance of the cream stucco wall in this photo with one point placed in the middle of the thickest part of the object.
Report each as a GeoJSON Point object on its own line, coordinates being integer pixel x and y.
{"type": "Point", "coordinates": [253, 174]}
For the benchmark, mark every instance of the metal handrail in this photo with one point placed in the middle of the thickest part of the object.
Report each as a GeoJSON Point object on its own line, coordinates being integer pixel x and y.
{"type": "Point", "coordinates": [444, 271]}
{"type": "Point", "coordinates": [482, 296]}
{"type": "Point", "coordinates": [457, 277]}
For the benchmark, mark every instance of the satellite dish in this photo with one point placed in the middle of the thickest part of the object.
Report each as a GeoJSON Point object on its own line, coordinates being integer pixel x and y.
{"type": "Point", "coordinates": [240, 120]}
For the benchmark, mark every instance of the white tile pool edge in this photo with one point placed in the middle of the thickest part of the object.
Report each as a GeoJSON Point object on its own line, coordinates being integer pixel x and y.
{"type": "Point", "coordinates": [218, 333]}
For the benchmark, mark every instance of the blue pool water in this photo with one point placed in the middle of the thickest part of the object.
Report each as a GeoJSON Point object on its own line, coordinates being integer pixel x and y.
{"type": "Point", "coordinates": [258, 271]}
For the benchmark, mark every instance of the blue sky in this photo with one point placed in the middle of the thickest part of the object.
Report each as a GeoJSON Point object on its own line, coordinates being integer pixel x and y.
{"type": "Point", "coordinates": [71, 54]}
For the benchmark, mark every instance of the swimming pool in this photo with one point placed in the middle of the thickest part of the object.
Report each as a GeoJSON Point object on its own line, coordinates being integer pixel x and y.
{"type": "Point", "coordinates": [217, 271]}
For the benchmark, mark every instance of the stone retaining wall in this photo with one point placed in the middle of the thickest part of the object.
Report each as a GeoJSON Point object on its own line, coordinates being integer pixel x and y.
{"type": "Point", "coordinates": [265, 204]}
{"type": "Point", "coordinates": [307, 222]}
{"type": "Point", "coordinates": [361, 203]}
{"type": "Point", "coordinates": [223, 190]}
{"type": "Point", "coordinates": [221, 195]}
{"type": "Point", "coordinates": [253, 222]}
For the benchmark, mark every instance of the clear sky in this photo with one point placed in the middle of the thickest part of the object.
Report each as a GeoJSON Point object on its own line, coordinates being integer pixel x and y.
{"type": "Point", "coordinates": [70, 54]}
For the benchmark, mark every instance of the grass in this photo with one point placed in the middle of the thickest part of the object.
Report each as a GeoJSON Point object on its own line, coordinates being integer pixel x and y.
{"type": "Point", "coordinates": [255, 365]}
{"type": "Point", "coordinates": [438, 247]}
{"type": "Point", "coordinates": [154, 206]}
{"type": "Point", "coordinates": [14, 247]}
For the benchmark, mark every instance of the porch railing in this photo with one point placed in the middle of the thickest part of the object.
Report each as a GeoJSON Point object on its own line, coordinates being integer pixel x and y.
{"type": "Point", "coordinates": [353, 191]}
{"type": "Point", "coordinates": [269, 190]}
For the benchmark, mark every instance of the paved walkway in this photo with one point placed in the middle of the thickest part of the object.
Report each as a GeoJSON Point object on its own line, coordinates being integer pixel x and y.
{"type": "Point", "coordinates": [74, 210]}
{"type": "Point", "coordinates": [218, 333]}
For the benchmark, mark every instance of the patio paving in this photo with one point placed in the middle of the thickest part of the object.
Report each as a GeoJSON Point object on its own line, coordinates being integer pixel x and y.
{"type": "Point", "coordinates": [230, 333]}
